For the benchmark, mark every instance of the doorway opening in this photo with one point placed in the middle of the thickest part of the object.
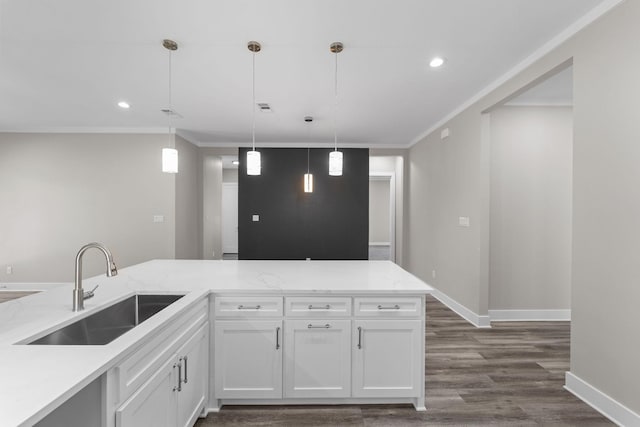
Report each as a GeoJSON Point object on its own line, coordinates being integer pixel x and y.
{"type": "Point", "coordinates": [382, 210]}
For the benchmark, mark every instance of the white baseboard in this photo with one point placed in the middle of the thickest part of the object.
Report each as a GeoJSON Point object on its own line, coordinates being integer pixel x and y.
{"type": "Point", "coordinates": [471, 317]}
{"type": "Point", "coordinates": [379, 243]}
{"type": "Point", "coordinates": [607, 406]}
{"type": "Point", "coordinates": [529, 315]}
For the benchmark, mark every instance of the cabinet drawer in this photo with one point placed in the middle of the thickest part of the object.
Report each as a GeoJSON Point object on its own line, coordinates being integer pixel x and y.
{"type": "Point", "coordinates": [317, 307]}
{"type": "Point", "coordinates": [248, 307]}
{"type": "Point", "coordinates": [388, 307]}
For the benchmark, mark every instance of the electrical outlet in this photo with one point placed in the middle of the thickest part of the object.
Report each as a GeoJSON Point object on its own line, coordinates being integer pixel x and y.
{"type": "Point", "coordinates": [9, 269]}
{"type": "Point", "coordinates": [433, 274]}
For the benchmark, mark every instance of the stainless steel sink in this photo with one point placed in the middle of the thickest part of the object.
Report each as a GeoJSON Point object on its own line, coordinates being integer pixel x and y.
{"type": "Point", "coordinates": [109, 323]}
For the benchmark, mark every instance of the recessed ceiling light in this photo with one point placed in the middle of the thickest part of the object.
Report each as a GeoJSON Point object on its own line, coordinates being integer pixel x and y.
{"type": "Point", "coordinates": [124, 104]}
{"type": "Point", "coordinates": [436, 62]}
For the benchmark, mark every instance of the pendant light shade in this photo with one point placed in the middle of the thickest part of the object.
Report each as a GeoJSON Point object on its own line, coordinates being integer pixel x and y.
{"type": "Point", "coordinates": [335, 157]}
{"type": "Point", "coordinates": [254, 165]}
{"type": "Point", "coordinates": [308, 183]}
{"type": "Point", "coordinates": [169, 160]}
{"type": "Point", "coordinates": [335, 163]}
{"type": "Point", "coordinates": [170, 155]}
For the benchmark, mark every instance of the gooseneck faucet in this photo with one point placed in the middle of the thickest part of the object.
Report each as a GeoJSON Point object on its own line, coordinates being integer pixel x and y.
{"type": "Point", "coordinates": [79, 295]}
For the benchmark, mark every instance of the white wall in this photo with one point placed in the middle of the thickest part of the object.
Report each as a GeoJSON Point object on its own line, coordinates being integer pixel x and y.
{"type": "Point", "coordinates": [530, 243]}
{"type": "Point", "coordinates": [450, 178]}
{"type": "Point", "coordinates": [60, 191]}
{"type": "Point", "coordinates": [379, 207]}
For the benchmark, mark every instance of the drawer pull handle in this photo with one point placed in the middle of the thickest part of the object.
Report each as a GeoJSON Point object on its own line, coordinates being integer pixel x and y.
{"type": "Point", "coordinates": [326, 307]}
{"type": "Point", "coordinates": [310, 326]}
{"type": "Point", "coordinates": [255, 307]}
{"type": "Point", "coordinates": [395, 307]}
{"type": "Point", "coordinates": [359, 337]}
{"type": "Point", "coordinates": [278, 338]}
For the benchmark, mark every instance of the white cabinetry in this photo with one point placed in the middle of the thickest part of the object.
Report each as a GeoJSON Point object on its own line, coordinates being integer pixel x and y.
{"type": "Point", "coordinates": [365, 349]}
{"type": "Point", "coordinates": [248, 359]}
{"type": "Point", "coordinates": [165, 381]}
{"type": "Point", "coordinates": [387, 359]}
{"type": "Point", "coordinates": [317, 358]}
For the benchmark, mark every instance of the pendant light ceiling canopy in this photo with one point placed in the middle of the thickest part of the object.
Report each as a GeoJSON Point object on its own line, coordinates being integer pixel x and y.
{"type": "Point", "coordinates": [170, 154]}
{"type": "Point", "coordinates": [335, 157]}
{"type": "Point", "coordinates": [254, 166]}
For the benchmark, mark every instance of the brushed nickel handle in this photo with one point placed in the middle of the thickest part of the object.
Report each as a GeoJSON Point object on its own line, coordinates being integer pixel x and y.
{"type": "Point", "coordinates": [326, 307]}
{"type": "Point", "coordinates": [186, 366]}
{"type": "Point", "coordinates": [326, 326]}
{"type": "Point", "coordinates": [278, 338]}
{"type": "Point", "coordinates": [173, 368]}
{"type": "Point", "coordinates": [242, 307]}
{"type": "Point", "coordinates": [395, 307]}
{"type": "Point", "coordinates": [179, 365]}
{"type": "Point", "coordinates": [359, 337]}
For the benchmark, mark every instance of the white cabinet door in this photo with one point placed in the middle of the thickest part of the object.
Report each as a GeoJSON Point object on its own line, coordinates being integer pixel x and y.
{"type": "Point", "coordinates": [193, 360]}
{"type": "Point", "coordinates": [248, 359]}
{"type": "Point", "coordinates": [317, 358]}
{"type": "Point", "coordinates": [153, 404]}
{"type": "Point", "coordinates": [387, 358]}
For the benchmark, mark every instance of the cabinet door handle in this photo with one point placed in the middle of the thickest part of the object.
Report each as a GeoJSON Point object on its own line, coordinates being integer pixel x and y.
{"type": "Point", "coordinates": [186, 366]}
{"type": "Point", "coordinates": [278, 338]}
{"type": "Point", "coordinates": [179, 365]}
{"type": "Point", "coordinates": [359, 337]}
{"type": "Point", "coordinates": [310, 326]}
{"type": "Point", "coordinates": [326, 307]}
{"type": "Point", "coordinates": [173, 369]}
{"type": "Point", "coordinates": [395, 307]}
{"type": "Point", "coordinates": [255, 307]}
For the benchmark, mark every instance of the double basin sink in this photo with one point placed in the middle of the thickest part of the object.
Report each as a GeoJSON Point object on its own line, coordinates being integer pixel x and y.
{"type": "Point", "coordinates": [106, 325]}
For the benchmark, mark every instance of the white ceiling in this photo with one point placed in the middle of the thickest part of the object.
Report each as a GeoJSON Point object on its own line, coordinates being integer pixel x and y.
{"type": "Point", "coordinates": [65, 64]}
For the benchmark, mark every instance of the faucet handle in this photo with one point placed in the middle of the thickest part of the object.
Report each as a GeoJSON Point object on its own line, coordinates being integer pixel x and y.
{"type": "Point", "coordinates": [90, 294]}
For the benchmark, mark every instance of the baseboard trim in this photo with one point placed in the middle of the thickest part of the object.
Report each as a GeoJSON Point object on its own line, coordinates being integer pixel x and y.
{"type": "Point", "coordinates": [471, 317]}
{"type": "Point", "coordinates": [529, 315]}
{"type": "Point", "coordinates": [379, 243]}
{"type": "Point", "coordinates": [607, 406]}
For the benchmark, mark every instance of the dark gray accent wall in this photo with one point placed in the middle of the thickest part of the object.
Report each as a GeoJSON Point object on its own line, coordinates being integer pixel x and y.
{"type": "Point", "coordinates": [330, 223]}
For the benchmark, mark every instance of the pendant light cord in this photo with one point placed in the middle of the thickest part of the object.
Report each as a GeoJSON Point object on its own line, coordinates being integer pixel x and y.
{"type": "Point", "coordinates": [253, 105]}
{"type": "Point", "coordinates": [170, 114]}
{"type": "Point", "coordinates": [335, 106]}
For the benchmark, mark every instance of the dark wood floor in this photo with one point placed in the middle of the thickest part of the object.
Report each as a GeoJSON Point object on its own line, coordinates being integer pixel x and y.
{"type": "Point", "coordinates": [510, 375]}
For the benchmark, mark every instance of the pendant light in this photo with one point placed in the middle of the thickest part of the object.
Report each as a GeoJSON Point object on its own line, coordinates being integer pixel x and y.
{"type": "Point", "coordinates": [253, 156]}
{"type": "Point", "coordinates": [170, 154]}
{"type": "Point", "coordinates": [335, 157]}
{"type": "Point", "coordinates": [308, 177]}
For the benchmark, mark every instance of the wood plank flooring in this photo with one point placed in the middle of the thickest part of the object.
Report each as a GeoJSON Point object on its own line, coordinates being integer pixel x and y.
{"type": "Point", "coordinates": [509, 375]}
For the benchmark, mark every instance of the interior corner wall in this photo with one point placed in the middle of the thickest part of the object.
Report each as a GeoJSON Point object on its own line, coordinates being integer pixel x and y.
{"type": "Point", "coordinates": [187, 201]}
{"type": "Point", "coordinates": [61, 191]}
{"type": "Point", "coordinates": [531, 192]}
{"type": "Point", "coordinates": [332, 222]}
{"type": "Point", "coordinates": [605, 248]}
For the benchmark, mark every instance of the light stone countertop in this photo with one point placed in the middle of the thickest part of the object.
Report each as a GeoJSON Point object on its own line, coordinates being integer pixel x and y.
{"type": "Point", "coordinates": [37, 379]}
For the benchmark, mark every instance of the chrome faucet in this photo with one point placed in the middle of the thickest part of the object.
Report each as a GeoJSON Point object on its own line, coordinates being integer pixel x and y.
{"type": "Point", "coordinates": [79, 295]}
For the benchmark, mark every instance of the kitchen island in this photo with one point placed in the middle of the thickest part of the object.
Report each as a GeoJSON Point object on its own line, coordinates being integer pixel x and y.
{"type": "Point", "coordinates": [326, 331]}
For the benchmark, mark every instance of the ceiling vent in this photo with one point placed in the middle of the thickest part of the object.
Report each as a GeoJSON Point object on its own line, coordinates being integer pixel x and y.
{"type": "Point", "coordinates": [171, 113]}
{"type": "Point", "coordinates": [264, 107]}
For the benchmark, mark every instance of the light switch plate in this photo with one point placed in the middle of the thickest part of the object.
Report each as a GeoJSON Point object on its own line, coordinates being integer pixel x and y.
{"type": "Point", "coordinates": [255, 218]}
{"type": "Point", "coordinates": [158, 218]}
{"type": "Point", "coordinates": [463, 221]}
